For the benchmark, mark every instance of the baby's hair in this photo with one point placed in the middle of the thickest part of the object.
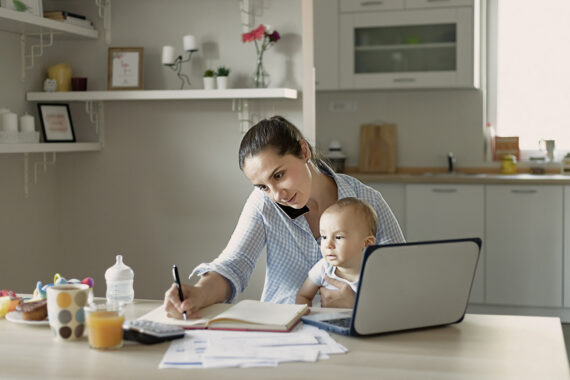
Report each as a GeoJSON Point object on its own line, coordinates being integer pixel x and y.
{"type": "Point", "coordinates": [362, 208]}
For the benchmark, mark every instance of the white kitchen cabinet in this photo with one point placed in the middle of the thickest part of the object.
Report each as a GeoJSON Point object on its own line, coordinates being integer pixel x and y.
{"type": "Point", "coordinates": [411, 48]}
{"type": "Point", "coordinates": [447, 211]}
{"type": "Point", "coordinates": [395, 195]}
{"type": "Point", "coordinates": [524, 245]}
{"type": "Point", "coordinates": [566, 289]}
{"type": "Point", "coordinates": [437, 3]}
{"type": "Point", "coordinates": [367, 5]}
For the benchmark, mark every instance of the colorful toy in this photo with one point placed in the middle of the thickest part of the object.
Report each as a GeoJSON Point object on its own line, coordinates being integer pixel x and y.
{"type": "Point", "coordinates": [40, 290]}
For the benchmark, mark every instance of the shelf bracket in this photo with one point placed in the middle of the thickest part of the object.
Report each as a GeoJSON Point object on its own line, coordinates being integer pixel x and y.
{"type": "Point", "coordinates": [44, 163]}
{"type": "Point", "coordinates": [96, 118]}
{"type": "Point", "coordinates": [26, 175]}
{"type": "Point", "coordinates": [36, 51]}
{"type": "Point", "coordinates": [105, 13]}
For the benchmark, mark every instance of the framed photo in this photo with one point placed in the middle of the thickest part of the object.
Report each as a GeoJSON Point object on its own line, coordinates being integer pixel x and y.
{"type": "Point", "coordinates": [125, 68]}
{"type": "Point", "coordinates": [56, 122]}
{"type": "Point", "coordinates": [28, 6]}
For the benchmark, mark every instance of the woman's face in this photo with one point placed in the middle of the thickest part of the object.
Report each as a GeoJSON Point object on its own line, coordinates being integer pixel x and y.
{"type": "Point", "coordinates": [284, 179]}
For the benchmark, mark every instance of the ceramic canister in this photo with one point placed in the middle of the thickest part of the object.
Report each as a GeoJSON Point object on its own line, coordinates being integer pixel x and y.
{"type": "Point", "coordinates": [66, 313]}
{"type": "Point", "coordinates": [62, 75]}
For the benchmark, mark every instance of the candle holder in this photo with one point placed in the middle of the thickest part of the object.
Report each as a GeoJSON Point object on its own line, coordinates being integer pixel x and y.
{"type": "Point", "coordinates": [177, 66]}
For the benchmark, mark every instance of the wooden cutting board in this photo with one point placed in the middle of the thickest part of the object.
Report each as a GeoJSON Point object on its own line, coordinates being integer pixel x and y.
{"type": "Point", "coordinates": [378, 148]}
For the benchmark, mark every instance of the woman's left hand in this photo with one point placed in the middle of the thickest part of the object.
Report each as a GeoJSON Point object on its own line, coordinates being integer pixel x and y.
{"type": "Point", "coordinates": [341, 298]}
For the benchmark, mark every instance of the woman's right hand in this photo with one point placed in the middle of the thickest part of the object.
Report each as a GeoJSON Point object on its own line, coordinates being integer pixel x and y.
{"type": "Point", "coordinates": [193, 301]}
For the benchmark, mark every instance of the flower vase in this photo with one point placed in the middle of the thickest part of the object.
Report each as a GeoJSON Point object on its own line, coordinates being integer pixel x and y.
{"type": "Point", "coordinates": [261, 77]}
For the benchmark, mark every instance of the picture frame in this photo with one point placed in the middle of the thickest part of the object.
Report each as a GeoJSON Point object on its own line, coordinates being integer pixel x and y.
{"type": "Point", "coordinates": [56, 122]}
{"type": "Point", "coordinates": [34, 7]}
{"type": "Point", "coordinates": [125, 68]}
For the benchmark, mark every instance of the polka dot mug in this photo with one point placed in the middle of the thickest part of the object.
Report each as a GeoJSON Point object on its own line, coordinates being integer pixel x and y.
{"type": "Point", "coordinates": [66, 313]}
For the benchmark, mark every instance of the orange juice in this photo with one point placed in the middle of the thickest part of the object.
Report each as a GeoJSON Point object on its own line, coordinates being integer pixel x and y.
{"type": "Point", "coordinates": [105, 328]}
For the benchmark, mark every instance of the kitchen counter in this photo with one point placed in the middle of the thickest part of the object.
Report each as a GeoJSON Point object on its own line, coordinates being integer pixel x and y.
{"type": "Point", "coordinates": [465, 178]}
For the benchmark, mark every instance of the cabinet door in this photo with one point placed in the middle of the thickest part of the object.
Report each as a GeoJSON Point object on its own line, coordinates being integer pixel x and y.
{"type": "Point", "coordinates": [395, 195]}
{"type": "Point", "coordinates": [566, 246]}
{"type": "Point", "coordinates": [326, 26]}
{"type": "Point", "coordinates": [524, 245]}
{"type": "Point", "coordinates": [437, 3]}
{"type": "Point", "coordinates": [432, 48]}
{"type": "Point", "coordinates": [447, 212]}
{"type": "Point", "coordinates": [370, 5]}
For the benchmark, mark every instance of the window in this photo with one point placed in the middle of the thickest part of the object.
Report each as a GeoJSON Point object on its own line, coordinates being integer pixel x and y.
{"type": "Point", "coordinates": [529, 72]}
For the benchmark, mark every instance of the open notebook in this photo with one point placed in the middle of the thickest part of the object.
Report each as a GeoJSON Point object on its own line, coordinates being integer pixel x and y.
{"type": "Point", "coordinates": [245, 315]}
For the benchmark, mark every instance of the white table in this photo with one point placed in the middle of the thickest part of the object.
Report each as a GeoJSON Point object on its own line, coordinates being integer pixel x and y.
{"type": "Point", "coordinates": [480, 347]}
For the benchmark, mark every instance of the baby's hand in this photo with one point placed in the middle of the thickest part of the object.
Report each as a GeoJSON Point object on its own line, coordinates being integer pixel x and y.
{"type": "Point", "coordinates": [341, 298]}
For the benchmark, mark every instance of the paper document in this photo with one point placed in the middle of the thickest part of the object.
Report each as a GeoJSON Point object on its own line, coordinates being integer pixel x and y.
{"type": "Point", "coordinates": [217, 349]}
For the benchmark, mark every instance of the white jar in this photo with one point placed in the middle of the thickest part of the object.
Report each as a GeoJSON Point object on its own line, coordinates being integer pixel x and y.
{"type": "Point", "coordinates": [119, 280]}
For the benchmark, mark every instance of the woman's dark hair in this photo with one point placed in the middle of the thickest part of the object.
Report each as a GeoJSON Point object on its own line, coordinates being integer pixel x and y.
{"type": "Point", "coordinates": [280, 134]}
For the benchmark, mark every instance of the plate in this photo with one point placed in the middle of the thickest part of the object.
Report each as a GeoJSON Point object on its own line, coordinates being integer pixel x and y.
{"type": "Point", "coordinates": [16, 317]}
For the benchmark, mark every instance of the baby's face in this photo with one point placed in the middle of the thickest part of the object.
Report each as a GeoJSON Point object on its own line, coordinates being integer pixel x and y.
{"type": "Point", "coordinates": [344, 236]}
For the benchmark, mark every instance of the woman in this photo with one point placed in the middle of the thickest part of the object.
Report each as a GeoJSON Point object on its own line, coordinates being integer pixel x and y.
{"type": "Point", "coordinates": [292, 188]}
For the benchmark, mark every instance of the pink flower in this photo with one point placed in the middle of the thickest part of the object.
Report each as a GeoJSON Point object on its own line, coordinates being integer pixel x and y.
{"type": "Point", "coordinates": [246, 37]}
{"type": "Point", "coordinates": [259, 32]}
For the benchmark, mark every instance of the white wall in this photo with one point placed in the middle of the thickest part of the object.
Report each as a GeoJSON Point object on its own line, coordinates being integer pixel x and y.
{"type": "Point", "coordinates": [28, 227]}
{"type": "Point", "coordinates": [166, 188]}
{"type": "Point", "coordinates": [430, 124]}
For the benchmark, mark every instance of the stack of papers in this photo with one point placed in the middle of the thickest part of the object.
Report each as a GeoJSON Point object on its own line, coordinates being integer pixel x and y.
{"type": "Point", "coordinates": [218, 349]}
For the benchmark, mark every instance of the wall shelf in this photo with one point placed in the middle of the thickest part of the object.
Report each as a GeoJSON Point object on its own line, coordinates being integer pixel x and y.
{"type": "Point", "coordinates": [234, 93]}
{"type": "Point", "coordinates": [50, 147]}
{"type": "Point", "coordinates": [25, 23]}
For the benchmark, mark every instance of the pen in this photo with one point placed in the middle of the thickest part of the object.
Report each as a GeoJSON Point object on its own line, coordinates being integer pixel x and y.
{"type": "Point", "coordinates": [177, 281]}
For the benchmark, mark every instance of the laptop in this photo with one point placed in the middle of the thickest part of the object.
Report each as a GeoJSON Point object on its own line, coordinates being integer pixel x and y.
{"type": "Point", "coordinates": [407, 286]}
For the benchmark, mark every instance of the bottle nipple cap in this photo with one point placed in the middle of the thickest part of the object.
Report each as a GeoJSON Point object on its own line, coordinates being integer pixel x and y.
{"type": "Point", "coordinates": [119, 271]}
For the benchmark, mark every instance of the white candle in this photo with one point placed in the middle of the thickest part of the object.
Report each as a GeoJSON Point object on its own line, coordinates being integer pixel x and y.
{"type": "Point", "coordinates": [27, 123]}
{"type": "Point", "coordinates": [168, 55]}
{"type": "Point", "coordinates": [10, 122]}
{"type": "Point", "coordinates": [190, 43]}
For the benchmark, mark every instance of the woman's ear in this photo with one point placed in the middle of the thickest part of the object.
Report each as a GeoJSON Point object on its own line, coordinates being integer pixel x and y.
{"type": "Point", "coordinates": [305, 151]}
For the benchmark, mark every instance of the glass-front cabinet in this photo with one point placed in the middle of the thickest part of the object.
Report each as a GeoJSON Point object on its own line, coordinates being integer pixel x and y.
{"type": "Point", "coordinates": [409, 48]}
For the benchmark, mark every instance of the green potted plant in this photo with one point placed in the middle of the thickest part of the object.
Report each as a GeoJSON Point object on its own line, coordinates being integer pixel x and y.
{"type": "Point", "coordinates": [209, 80]}
{"type": "Point", "coordinates": [222, 77]}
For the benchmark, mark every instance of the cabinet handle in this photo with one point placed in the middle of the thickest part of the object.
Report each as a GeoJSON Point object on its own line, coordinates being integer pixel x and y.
{"type": "Point", "coordinates": [404, 80]}
{"type": "Point", "coordinates": [446, 190]}
{"type": "Point", "coordinates": [368, 3]}
{"type": "Point", "coordinates": [523, 191]}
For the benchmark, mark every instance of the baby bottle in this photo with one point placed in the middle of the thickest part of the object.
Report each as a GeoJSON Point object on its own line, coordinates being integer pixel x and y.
{"type": "Point", "coordinates": [119, 280]}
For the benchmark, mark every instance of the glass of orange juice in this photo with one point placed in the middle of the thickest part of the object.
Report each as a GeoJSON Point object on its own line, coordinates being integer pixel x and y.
{"type": "Point", "coordinates": [105, 325]}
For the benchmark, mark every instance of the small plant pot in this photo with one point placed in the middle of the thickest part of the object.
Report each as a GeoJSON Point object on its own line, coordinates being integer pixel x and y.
{"type": "Point", "coordinates": [222, 82]}
{"type": "Point", "coordinates": [209, 83]}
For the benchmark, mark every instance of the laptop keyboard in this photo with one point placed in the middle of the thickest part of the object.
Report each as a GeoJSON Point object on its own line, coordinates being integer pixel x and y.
{"type": "Point", "coordinates": [342, 322]}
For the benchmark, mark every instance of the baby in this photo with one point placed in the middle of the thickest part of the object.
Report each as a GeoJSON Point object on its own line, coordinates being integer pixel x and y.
{"type": "Point", "coordinates": [347, 227]}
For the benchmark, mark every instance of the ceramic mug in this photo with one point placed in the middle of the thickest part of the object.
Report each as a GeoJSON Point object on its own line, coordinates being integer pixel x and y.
{"type": "Point", "coordinates": [78, 84]}
{"type": "Point", "coordinates": [549, 146]}
{"type": "Point", "coordinates": [65, 304]}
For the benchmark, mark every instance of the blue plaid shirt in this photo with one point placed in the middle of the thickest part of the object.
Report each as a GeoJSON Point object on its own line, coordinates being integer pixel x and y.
{"type": "Point", "coordinates": [291, 247]}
